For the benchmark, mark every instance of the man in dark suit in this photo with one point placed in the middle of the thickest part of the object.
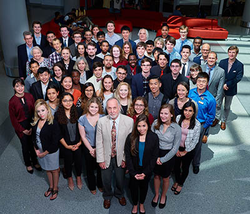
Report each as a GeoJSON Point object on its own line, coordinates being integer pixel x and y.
{"type": "Point", "coordinates": [125, 31]}
{"type": "Point", "coordinates": [216, 82]}
{"type": "Point", "coordinates": [234, 71]}
{"type": "Point", "coordinates": [171, 80]}
{"type": "Point", "coordinates": [24, 53]}
{"type": "Point", "coordinates": [185, 62]}
{"type": "Point", "coordinates": [38, 89]}
{"type": "Point", "coordinates": [65, 39]}
{"type": "Point", "coordinates": [121, 73]}
{"type": "Point", "coordinates": [77, 37]}
{"type": "Point", "coordinates": [91, 58]}
{"type": "Point", "coordinates": [140, 85]}
{"type": "Point", "coordinates": [140, 51]}
{"type": "Point", "coordinates": [39, 39]}
{"type": "Point", "coordinates": [49, 49]}
{"type": "Point", "coordinates": [162, 66]}
{"type": "Point", "coordinates": [132, 67]}
{"type": "Point", "coordinates": [201, 60]}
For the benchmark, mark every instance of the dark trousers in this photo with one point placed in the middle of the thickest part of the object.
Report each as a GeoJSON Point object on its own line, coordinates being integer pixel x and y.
{"type": "Point", "coordinates": [138, 187]}
{"type": "Point", "coordinates": [107, 180]}
{"type": "Point", "coordinates": [181, 167]}
{"type": "Point", "coordinates": [91, 166]}
{"type": "Point", "coordinates": [197, 150]}
{"type": "Point", "coordinates": [29, 155]}
{"type": "Point", "coordinates": [71, 157]}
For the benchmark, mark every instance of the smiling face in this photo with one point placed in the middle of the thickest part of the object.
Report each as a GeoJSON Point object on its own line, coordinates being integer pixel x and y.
{"type": "Point", "coordinates": [202, 83]}
{"type": "Point", "coordinates": [110, 27]}
{"type": "Point", "coordinates": [140, 51]}
{"type": "Point", "coordinates": [95, 30]}
{"type": "Point", "coordinates": [104, 47]}
{"type": "Point", "coordinates": [146, 67]}
{"type": "Point", "coordinates": [183, 34]}
{"type": "Point", "coordinates": [50, 37]}
{"type": "Point", "coordinates": [34, 68]}
{"type": "Point", "coordinates": [65, 54]}
{"type": "Point", "coordinates": [126, 49]}
{"type": "Point", "coordinates": [143, 35]}
{"type": "Point", "coordinates": [211, 59]}
{"type": "Point", "coordinates": [67, 102]}
{"type": "Point", "coordinates": [77, 38]}
{"type": "Point", "coordinates": [132, 60]}
{"type": "Point", "coordinates": [91, 50]}
{"type": "Point", "coordinates": [57, 71]}
{"type": "Point", "coordinates": [81, 66]}
{"type": "Point", "coordinates": [116, 52]}
{"type": "Point", "coordinates": [42, 112]}
{"type": "Point", "coordinates": [162, 61]}
{"type": "Point", "coordinates": [75, 77]}
{"type": "Point", "coordinates": [188, 112]}
{"type": "Point", "coordinates": [139, 107]}
{"type": "Point", "coordinates": [37, 54]}
{"type": "Point", "coordinates": [123, 92]}
{"type": "Point", "coordinates": [93, 109]}
{"type": "Point", "coordinates": [19, 89]}
{"type": "Point", "coordinates": [89, 92]}
{"type": "Point", "coordinates": [232, 54]}
{"type": "Point", "coordinates": [169, 46]}
{"type": "Point", "coordinates": [113, 108]}
{"type": "Point", "coordinates": [44, 77]}
{"type": "Point", "coordinates": [57, 45]}
{"type": "Point", "coordinates": [125, 35]}
{"type": "Point", "coordinates": [88, 35]}
{"type": "Point", "coordinates": [165, 115]}
{"type": "Point", "coordinates": [142, 128]}
{"type": "Point", "coordinates": [149, 49]}
{"type": "Point", "coordinates": [67, 83]}
{"type": "Point", "coordinates": [107, 83]}
{"type": "Point", "coordinates": [194, 72]}
{"type": "Point", "coordinates": [197, 44]}
{"type": "Point", "coordinates": [108, 62]}
{"type": "Point", "coordinates": [164, 31]}
{"type": "Point", "coordinates": [182, 91]}
{"type": "Point", "coordinates": [64, 32]}
{"type": "Point", "coordinates": [37, 28]}
{"type": "Point", "coordinates": [205, 50]}
{"type": "Point", "coordinates": [121, 74]}
{"type": "Point", "coordinates": [81, 50]}
{"type": "Point", "coordinates": [28, 40]}
{"type": "Point", "coordinates": [159, 45]}
{"type": "Point", "coordinates": [175, 68]}
{"type": "Point", "coordinates": [154, 85]}
{"type": "Point", "coordinates": [98, 72]}
{"type": "Point", "coordinates": [185, 53]}
{"type": "Point", "coordinates": [52, 94]}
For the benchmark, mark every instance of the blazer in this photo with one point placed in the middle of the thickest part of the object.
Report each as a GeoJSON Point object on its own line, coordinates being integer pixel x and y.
{"type": "Point", "coordinates": [150, 155]}
{"type": "Point", "coordinates": [129, 71]}
{"type": "Point", "coordinates": [64, 132]}
{"type": "Point", "coordinates": [36, 90]}
{"type": "Point", "coordinates": [190, 63]}
{"type": "Point", "coordinates": [169, 86]}
{"type": "Point", "coordinates": [70, 41]}
{"type": "Point", "coordinates": [120, 43]}
{"type": "Point", "coordinates": [197, 60]}
{"type": "Point", "coordinates": [103, 139]}
{"type": "Point", "coordinates": [156, 70]}
{"type": "Point", "coordinates": [47, 51]}
{"type": "Point", "coordinates": [43, 43]}
{"type": "Point", "coordinates": [70, 68]}
{"type": "Point", "coordinates": [137, 86]}
{"type": "Point", "coordinates": [22, 59]}
{"type": "Point", "coordinates": [192, 136]}
{"type": "Point", "coordinates": [215, 85]}
{"type": "Point", "coordinates": [73, 50]}
{"type": "Point", "coordinates": [233, 76]}
{"type": "Point", "coordinates": [49, 135]}
{"type": "Point", "coordinates": [90, 63]}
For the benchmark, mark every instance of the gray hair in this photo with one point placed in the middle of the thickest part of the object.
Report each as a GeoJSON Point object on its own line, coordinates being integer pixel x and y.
{"type": "Point", "coordinates": [81, 58]}
{"type": "Point", "coordinates": [145, 30]}
{"type": "Point", "coordinates": [27, 33]}
{"type": "Point", "coordinates": [36, 48]}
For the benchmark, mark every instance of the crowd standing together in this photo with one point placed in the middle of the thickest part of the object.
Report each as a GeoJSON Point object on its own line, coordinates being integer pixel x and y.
{"type": "Point", "coordinates": [142, 107]}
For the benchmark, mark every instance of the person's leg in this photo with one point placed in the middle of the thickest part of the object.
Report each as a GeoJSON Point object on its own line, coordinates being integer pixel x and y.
{"type": "Point", "coordinates": [68, 161]}
{"type": "Point", "coordinates": [78, 166]}
{"type": "Point", "coordinates": [177, 170]}
{"type": "Point", "coordinates": [133, 185]}
{"type": "Point", "coordinates": [157, 184]}
{"type": "Point", "coordinates": [99, 177]}
{"type": "Point", "coordinates": [50, 178]}
{"type": "Point", "coordinates": [107, 180]}
{"type": "Point", "coordinates": [32, 152]}
{"type": "Point", "coordinates": [119, 178]}
{"type": "Point", "coordinates": [185, 162]}
{"type": "Point", "coordinates": [143, 193]}
{"type": "Point", "coordinates": [55, 177]}
{"type": "Point", "coordinates": [197, 150]}
{"type": "Point", "coordinates": [227, 105]}
{"type": "Point", "coordinates": [165, 186]}
{"type": "Point", "coordinates": [25, 150]}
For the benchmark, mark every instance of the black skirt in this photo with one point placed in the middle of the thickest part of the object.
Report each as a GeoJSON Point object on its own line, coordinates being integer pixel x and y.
{"type": "Point", "coordinates": [165, 169]}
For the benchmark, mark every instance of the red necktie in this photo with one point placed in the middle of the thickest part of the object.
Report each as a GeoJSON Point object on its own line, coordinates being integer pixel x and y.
{"type": "Point", "coordinates": [113, 138]}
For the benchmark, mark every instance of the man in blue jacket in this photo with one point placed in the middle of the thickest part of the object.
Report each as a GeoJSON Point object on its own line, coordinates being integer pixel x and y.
{"type": "Point", "coordinates": [125, 31]}
{"type": "Point", "coordinates": [234, 71]}
{"type": "Point", "coordinates": [206, 112]}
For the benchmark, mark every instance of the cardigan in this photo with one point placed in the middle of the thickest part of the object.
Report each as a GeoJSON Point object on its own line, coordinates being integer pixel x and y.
{"type": "Point", "coordinates": [192, 136]}
{"type": "Point", "coordinates": [150, 155]}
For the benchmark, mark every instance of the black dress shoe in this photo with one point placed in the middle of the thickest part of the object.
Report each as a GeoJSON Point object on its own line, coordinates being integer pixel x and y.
{"type": "Point", "coordinates": [161, 206]}
{"type": "Point", "coordinates": [30, 171]}
{"type": "Point", "coordinates": [196, 169]}
{"type": "Point", "coordinates": [154, 204]}
{"type": "Point", "coordinates": [38, 167]}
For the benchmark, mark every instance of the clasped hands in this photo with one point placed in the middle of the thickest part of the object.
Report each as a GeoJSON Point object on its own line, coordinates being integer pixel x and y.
{"type": "Point", "coordinates": [140, 176]}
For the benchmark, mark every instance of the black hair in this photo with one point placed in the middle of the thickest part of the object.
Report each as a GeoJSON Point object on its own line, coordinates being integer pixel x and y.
{"type": "Point", "coordinates": [97, 64]}
{"type": "Point", "coordinates": [176, 61]}
{"type": "Point", "coordinates": [203, 75]}
{"type": "Point", "coordinates": [125, 27]}
{"type": "Point", "coordinates": [131, 54]}
{"type": "Point", "coordinates": [123, 67]}
{"type": "Point", "coordinates": [52, 85]}
{"type": "Point", "coordinates": [17, 80]}
{"type": "Point", "coordinates": [157, 49]}
{"type": "Point", "coordinates": [164, 25]}
{"type": "Point", "coordinates": [154, 77]}
{"type": "Point", "coordinates": [100, 33]}
{"type": "Point", "coordinates": [104, 42]}
{"type": "Point", "coordinates": [150, 42]}
{"type": "Point", "coordinates": [187, 47]}
{"type": "Point", "coordinates": [42, 70]}
{"type": "Point", "coordinates": [192, 121]}
{"type": "Point", "coordinates": [164, 54]}
{"type": "Point", "coordinates": [33, 62]}
{"type": "Point", "coordinates": [197, 37]}
{"type": "Point", "coordinates": [49, 32]}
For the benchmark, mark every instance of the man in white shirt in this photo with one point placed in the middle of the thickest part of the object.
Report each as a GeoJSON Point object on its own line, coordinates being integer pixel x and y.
{"type": "Point", "coordinates": [110, 36]}
{"type": "Point", "coordinates": [185, 62]}
{"type": "Point", "coordinates": [108, 67]}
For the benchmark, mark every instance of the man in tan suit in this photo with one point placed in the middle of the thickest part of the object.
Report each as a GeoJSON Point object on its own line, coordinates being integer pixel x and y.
{"type": "Point", "coordinates": [112, 131]}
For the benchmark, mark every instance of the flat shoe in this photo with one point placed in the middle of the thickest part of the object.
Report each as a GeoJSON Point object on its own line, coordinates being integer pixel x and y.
{"type": "Point", "coordinates": [154, 204]}
{"type": "Point", "coordinates": [161, 206]}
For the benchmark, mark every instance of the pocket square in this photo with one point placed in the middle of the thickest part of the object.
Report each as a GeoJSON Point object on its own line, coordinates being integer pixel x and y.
{"type": "Point", "coordinates": [234, 71]}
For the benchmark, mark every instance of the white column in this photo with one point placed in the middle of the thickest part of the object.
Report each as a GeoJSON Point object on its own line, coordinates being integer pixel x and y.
{"type": "Point", "coordinates": [246, 15]}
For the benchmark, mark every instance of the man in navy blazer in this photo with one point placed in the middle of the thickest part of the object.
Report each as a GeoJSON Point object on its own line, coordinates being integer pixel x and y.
{"type": "Point", "coordinates": [24, 53]}
{"type": "Point", "coordinates": [125, 31]}
{"type": "Point", "coordinates": [39, 39]}
{"type": "Point", "coordinates": [140, 85]}
{"type": "Point", "coordinates": [234, 71]}
{"type": "Point", "coordinates": [65, 39]}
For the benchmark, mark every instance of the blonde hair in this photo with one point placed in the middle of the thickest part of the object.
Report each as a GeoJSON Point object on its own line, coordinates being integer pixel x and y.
{"type": "Point", "coordinates": [117, 95]}
{"type": "Point", "coordinates": [39, 103]}
{"type": "Point", "coordinates": [161, 40]}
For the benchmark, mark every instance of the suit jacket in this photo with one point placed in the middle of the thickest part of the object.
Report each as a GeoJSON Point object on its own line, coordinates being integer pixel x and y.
{"type": "Point", "coordinates": [103, 139]}
{"type": "Point", "coordinates": [70, 68]}
{"type": "Point", "coordinates": [22, 59]}
{"type": "Point", "coordinates": [137, 86]}
{"type": "Point", "coordinates": [150, 155]}
{"type": "Point", "coordinates": [197, 60]}
{"type": "Point", "coordinates": [73, 50]}
{"type": "Point", "coordinates": [215, 85]}
{"type": "Point", "coordinates": [70, 41]}
{"type": "Point", "coordinates": [47, 51]}
{"type": "Point", "coordinates": [43, 43]}
{"type": "Point", "coordinates": [36, 90]}
{"type": "Point", "coordinates": [120, 43]}
{"type": "Point", "coordinates": [190, 63]}
{"type": "Point", "coordinates": [169, 85]}
{"type": "Point", "coordinates": [49, 136]}
{"type": "Point", "coordinates": [129, 71]}
{"type": "Point", "coordinates": [156, 70]}
{"type": "Point", "coordinates": [233, 76]}
{"type": "Point", "coordinates": [90, 63]}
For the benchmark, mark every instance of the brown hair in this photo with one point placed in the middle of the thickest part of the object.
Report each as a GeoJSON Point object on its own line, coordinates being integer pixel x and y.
{"type": "Point", "coordinates": [233, 47]}
{"type": "Point", "coordinates": [159, 121]}
{"type": "Point", "coordinates": [89, 102]}
{"type": "Point", "coordinates": [103, 88]}
{"type": "Point", "coordinates": [131, 110]}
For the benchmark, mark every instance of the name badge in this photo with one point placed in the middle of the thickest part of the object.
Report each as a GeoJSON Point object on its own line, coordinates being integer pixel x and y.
{"type": "Point", "coordinates": [200, 102]}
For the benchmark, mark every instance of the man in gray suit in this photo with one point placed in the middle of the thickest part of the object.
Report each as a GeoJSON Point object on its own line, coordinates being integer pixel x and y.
{"type": "Point", "coordinates": [216, 82]}
{"type": "Point", "coordinates": [112, 131]}
{"type": "Point", "coordinates": [186, 63]}
{"type": "Point", "coordinates": [77, 37]}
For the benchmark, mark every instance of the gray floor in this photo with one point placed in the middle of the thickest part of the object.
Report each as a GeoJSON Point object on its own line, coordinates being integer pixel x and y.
{"type": "Point", "coordinates": [221, 187]}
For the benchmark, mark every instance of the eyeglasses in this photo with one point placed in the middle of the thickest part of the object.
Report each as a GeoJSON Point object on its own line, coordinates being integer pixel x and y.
{"type": "Point", "coordinates": [67, 101]}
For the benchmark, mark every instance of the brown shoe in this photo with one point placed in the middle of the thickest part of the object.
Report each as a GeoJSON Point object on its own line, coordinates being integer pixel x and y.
{"type": "Point", "coordinates": [223, 126]}
{"type": "Point", "coordinates": [216, 121]}
{"type": "Point", "coordinates": [204, 139]}
{"type": "Point", "coordinates": [122, 201]}
{"type": "Point", "coordinates": [106, 204]}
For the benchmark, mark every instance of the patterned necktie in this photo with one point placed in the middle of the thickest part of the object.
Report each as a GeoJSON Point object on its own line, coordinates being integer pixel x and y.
{"type": "Point", "coordinates": [183, 69]}
{"type": "Point", "coordinates": [113, 138]}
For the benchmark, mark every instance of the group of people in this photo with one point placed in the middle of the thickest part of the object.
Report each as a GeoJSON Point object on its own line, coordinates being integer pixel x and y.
{"type": "Point", "coordinates": [142, 107]}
